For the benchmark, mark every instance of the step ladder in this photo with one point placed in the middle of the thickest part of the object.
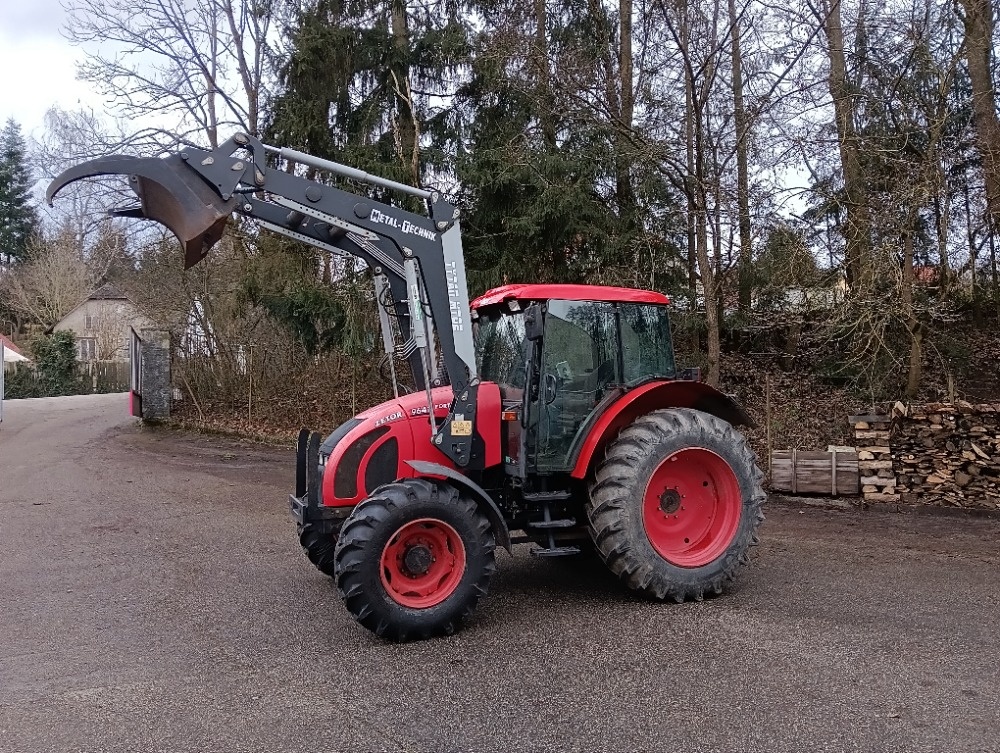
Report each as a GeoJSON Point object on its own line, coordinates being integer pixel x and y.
{"type": "Point", "coordinates": [549, 525]}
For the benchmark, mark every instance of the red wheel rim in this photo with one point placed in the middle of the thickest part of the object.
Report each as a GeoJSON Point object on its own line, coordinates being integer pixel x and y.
{"type": "Point", "coordinates": [691, 507]}
{"type": "Point", "coordinates": [423, 563]}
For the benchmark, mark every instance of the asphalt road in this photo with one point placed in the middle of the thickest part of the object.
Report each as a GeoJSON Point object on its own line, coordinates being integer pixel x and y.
{"type": "Point", "coordinates": [153, 598]}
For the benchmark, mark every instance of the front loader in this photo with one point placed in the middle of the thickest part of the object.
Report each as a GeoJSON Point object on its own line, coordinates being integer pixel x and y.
{"type": "Point", "coordinates": [545, 414]}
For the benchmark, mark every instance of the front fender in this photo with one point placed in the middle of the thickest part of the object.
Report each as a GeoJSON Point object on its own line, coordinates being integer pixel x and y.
{"type": "Point", "coordinates": [482, 497]}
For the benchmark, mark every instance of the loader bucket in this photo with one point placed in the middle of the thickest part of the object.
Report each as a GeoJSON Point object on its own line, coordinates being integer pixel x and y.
{"type": "Point", "coordinates": [170, 193]}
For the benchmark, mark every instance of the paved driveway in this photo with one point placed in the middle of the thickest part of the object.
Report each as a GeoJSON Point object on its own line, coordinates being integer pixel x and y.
{"type": "Point", "coordinates": [153, 597]}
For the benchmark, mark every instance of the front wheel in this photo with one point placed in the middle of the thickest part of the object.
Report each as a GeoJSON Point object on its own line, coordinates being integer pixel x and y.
{"type": "Point", "coordinates": [413, 560]}
{"type": "Point", "coordinates": [319, 548]}
{"type": "Point", "coordinates": [676, 504]}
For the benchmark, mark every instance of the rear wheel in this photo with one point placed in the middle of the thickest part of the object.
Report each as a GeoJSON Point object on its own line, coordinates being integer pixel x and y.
{"type": "Point", "coordinates": [413, 560]}
{"type": "Point", "coordinates": [676, 504]}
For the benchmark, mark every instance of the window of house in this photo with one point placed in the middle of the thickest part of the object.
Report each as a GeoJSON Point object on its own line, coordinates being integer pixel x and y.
{"type": "Point", "coordinates": [86, 348]}
{"type": "Point", "coordinates": [90, 321]}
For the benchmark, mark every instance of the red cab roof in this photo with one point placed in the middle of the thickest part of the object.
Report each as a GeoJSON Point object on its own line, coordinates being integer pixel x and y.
{"type": "Point", "coordinates": [544, 292]}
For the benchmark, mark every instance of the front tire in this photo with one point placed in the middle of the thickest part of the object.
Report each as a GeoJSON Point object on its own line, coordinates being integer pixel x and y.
{"type": "Point", "coordinates": [413, 560]}
{"type": "Point", "coordinates": [676, 504]}
{"type": "Point", "coordinates": [319, 548]}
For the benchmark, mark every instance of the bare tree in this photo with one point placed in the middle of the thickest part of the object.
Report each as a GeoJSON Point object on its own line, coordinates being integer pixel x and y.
{"type": "Point", "coordinates": [71, 137]}
{"type": "Point", "coordinates": [109, 327]}
{"type": "Point", "coordinates": [205, 63]}
{"type": "Point", "coordinates": [50, 284]}
{"type": "Point", "coordinates": [844, 94]}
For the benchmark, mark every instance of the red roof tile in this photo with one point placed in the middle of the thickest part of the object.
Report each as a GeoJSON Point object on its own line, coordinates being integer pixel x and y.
{"type": "Point", "coordinates": [9, 345]}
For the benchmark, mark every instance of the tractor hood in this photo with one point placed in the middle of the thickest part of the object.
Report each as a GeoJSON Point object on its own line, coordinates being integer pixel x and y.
{"type": "Point", "coordinates": [169, 192]}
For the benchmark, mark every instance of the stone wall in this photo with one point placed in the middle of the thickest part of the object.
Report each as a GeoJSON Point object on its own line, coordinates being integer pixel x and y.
{"type": "Point", "coordinates": [947, 454]}
{"type": "Point", "coordinates": [156, 387]}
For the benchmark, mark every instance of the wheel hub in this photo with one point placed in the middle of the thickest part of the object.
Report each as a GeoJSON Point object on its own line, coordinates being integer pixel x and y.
{"type": "Point", "coordinates": [417, 559]}
{"type": "Point", "coordinates": [692, 506]}
{"type": "Point", "coordinates": [423, 562]}
{"type": "Point", "coordinates": [670, 501]}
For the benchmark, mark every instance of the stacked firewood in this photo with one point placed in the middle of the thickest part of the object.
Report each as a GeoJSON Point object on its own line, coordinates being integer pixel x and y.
{"type": "Point", "coordinates": [878, 479]}
{"type": "Point", "coordinates": [948, 454]}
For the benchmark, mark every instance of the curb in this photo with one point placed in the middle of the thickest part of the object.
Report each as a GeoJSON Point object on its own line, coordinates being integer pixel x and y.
{"type": "Point", "coordinates": [856, 504]}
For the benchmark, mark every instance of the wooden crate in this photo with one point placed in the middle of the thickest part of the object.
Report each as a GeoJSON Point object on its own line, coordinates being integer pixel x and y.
{"type": "Point", "coordinates": [812, 472]}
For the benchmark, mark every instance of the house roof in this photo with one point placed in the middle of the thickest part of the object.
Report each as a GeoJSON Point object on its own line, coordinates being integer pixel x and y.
{"type": "Point", "coordinates": [10, 348]}
{"type": "Point", "coordinates": [107, 292]}
{"type": "Point", "coordinates": [9, 345]}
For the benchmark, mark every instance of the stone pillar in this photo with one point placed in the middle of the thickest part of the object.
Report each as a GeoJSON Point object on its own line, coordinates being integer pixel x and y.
{"type": "Point", "coordinates": [156, 388]}
{"type": "Point", "coordinates": [878, 479]}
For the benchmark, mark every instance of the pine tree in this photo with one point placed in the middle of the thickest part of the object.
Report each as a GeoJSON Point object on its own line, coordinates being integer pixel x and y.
{"type": "Point", "coordinates": [367, 83]}
{"type": "Point", "coordinates": [18, 220]}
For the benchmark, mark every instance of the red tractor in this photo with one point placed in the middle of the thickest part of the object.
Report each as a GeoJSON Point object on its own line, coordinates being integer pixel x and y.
{"type": "Point", "coordinates": [556, 411]}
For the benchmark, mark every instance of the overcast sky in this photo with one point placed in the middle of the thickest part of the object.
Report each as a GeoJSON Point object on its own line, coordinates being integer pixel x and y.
{"type": "Point", "coordinates": [38, 65]}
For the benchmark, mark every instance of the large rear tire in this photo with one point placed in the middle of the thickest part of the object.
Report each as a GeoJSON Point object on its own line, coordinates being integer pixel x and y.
{"type": "Point", "coordinates": [413, 560]}
{"type": "Point", "coordinates": [676, 504]}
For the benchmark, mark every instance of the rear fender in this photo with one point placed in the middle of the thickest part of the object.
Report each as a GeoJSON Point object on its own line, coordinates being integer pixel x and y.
{"type": "Point", "coordinates": [604, 425]}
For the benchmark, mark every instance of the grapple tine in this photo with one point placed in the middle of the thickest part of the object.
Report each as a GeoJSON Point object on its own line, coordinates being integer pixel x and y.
{"type": "Point", "coordinates": [170, 193]}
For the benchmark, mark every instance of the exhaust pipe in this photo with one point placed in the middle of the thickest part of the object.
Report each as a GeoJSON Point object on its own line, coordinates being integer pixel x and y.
{"type": "Point", "coordinates": [170, 192]}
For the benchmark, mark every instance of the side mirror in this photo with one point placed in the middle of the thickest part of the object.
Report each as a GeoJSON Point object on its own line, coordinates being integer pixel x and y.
{"type": "Point", "coordinates": [533, 324]}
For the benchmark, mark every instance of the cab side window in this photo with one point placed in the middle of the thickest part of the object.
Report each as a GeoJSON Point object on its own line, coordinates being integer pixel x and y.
{"type": "Point", "coordinates": [579, 363]}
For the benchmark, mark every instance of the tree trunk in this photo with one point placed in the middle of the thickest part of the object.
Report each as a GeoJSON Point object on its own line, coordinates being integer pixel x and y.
{"type": "Point", "coordinates": [689, 188]}
{"type": "Point", "coordinates": [858, 231]}
{"type": "Point", "coordinates": [542, 73]}
{"type": "Point", "coordinates": [942, 217]}
{"type": "Point", "coordinates": [742, 171]}
{"type": "Point", "coordinates": [709, 291]}
{"type": "Point", "coordinates": [623, 177]}
{"type": "Point", "coordinates": [699, 194]}
{"type": "Point", "coordinates": [211, 77]}
{"type": "Point", "coordinates": [406, 118]}
{"type": "Point", "coordinates": [978, 22]}
{"type": "Point", "coordinates": [912, 322]}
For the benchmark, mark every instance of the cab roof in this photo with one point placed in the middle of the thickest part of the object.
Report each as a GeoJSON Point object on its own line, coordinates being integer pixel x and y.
{"type": "Point", "coordinates": [544, 292]}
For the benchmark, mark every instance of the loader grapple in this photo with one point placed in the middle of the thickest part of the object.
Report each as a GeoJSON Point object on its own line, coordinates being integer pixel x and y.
{"type": "Point", "coordinates": [170, 193]}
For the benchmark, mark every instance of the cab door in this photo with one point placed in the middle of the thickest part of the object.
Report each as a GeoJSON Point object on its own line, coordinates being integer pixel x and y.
{"type": "Point", "coordinates": [580, 362]}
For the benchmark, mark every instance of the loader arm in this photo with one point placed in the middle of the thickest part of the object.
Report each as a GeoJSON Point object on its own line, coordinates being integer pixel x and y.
{"type": "Point", "coordinates": [382, 257]}
{"type": "Point", "coordinates": [193, 192]}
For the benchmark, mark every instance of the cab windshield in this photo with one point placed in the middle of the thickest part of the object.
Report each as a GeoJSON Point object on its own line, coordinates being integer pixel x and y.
{"type": "Point", "coordinates": [501, 348]}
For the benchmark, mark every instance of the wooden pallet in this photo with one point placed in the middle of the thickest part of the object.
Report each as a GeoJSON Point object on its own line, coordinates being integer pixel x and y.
{"type": "Point", "coordinates": [812, 472]}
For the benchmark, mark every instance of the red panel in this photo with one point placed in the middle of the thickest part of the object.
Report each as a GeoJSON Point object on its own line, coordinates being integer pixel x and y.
{"type": "Point", "coordinates": [544, 292]}
{"type": "Point", "coordinates": [406, 419]}
{"type": "Point", "coordinates": [488, 421]}
{"type": "Point", "coordinates": [134, 404]}
{"type": "Point", "coordinates": [638, 402]}
{"type": "Point", "coordinates": [398, 429]}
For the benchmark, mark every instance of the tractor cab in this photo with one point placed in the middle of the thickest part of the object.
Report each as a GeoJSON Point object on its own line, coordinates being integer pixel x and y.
{"type": "Point", "coordinates": [560, 354]}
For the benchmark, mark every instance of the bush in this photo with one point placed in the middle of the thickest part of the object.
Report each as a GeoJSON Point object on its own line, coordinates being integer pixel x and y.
{"type": "Point", "coordinates": [55, 360]}
{"type": "Point", "coordinates": [21, 381]}
{"type": "Point", "coordinates": [53, 373]}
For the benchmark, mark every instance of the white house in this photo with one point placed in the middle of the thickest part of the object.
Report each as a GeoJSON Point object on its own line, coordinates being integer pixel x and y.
{"type": "Point", "coordinates": [102, 324]}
